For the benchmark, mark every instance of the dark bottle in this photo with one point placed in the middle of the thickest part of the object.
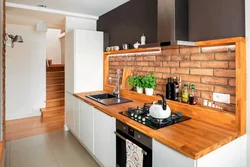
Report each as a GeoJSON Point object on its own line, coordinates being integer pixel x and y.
{"type": "Point", "coordinates": [176, 88]}
{"type": "Point", "coordinates": [173, 90]}
{"type": "Point", "coordinates": [168, 89]}
{"type": "Point", "coordinates": [180, 90]}
{"type": "Point", "coordinates": [192, 100]}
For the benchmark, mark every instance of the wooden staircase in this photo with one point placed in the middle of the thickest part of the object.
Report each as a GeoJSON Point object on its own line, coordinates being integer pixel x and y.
{"type": "Point", "coordinates": [54, 91]}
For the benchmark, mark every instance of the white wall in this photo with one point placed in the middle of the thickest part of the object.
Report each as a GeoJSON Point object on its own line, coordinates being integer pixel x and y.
{"type": "Point", "coordinates": [247, 11]}
{"type": "Point", "coordinates": [79, 23]}
{"type": "Point", "coordinates": [63, 50]}
{"type": "Point", "coordinates": [25, 73]}
{"type": "Point", "coordinates": [53, 46]}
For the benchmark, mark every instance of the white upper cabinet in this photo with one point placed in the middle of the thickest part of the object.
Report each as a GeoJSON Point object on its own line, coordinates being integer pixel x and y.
{"type": "Point", "coordinates": [83, 61]}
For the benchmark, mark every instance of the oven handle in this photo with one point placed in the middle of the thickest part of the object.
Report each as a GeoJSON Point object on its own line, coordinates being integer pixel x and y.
{"type": "Point", "coordinates": [123, 138]}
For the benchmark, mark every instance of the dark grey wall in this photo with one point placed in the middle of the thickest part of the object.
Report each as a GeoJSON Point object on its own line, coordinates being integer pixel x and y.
{"type": "Point", "coordinates": [208, 19]}
{"type": "Point", "coordinates": [127, 23]}
{"type": "Point", "coordinates": [214, 19]}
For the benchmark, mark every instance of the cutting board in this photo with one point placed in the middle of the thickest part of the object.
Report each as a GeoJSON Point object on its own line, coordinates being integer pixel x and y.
{"type": "Point", "coordinates": [127, 72]}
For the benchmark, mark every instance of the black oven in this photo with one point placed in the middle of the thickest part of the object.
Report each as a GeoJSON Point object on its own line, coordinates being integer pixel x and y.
{"type": "Point", "coordinates": [124, 132]}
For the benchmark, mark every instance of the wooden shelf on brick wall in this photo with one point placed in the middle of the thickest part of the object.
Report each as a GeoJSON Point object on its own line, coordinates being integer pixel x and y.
{"type": "Point", "coordinates": [236, 121]}
{"type": "Point", "coordinates": [129, 51]}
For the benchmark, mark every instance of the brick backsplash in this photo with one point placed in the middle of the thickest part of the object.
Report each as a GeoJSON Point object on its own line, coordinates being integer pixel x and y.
{"type": "Point", "coordinates": [211, 69]}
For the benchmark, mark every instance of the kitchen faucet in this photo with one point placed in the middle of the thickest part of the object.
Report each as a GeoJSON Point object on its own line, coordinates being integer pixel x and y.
{"type": "Point", "coordinates": [116, 90]}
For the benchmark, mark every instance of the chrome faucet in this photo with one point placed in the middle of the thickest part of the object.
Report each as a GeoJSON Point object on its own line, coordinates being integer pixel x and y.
{"type": "Point", "coordinates": [116, 90]}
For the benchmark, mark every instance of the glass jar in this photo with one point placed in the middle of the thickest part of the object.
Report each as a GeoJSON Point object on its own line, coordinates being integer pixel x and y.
{"type": "Point", "coordinates": [185, 93]}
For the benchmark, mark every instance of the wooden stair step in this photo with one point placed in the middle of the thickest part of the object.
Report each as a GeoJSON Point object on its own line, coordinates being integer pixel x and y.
{"type": "Point", "coordinates": [55, 74]}
{"type": "Point", "coordinates": [54, 80]}
{"type": "Point", "coordinates": [55, 94]}
{"type": "Point", "coordinates": [55, 68]}
{"type": "Point", "coordinates": [57, 65]}
{"type": "Point", "coordinates": [52, 111]}
{"type": "Point", "coordinates": [55, 102]}
{"type": "Point", "coordinates": [55, 87]}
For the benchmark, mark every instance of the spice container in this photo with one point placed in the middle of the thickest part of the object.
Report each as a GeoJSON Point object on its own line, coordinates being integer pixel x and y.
{"type": "Point", "coordinates": [185, 93]}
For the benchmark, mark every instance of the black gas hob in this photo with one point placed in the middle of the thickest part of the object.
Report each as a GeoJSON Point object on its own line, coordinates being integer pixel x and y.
{"type": "Point", "coordinates": [142, 116]}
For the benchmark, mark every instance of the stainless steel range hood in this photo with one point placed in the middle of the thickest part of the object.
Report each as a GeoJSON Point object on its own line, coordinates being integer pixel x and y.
{"type": "Point", "coordinates": [172, 24]}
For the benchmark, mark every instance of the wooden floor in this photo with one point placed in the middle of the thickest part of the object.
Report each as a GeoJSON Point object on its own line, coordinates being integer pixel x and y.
{"type": "Point", "coordinates": [16, 129]}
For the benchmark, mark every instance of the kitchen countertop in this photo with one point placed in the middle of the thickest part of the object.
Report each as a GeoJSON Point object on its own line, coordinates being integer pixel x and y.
{"type": "Point", "coordinates": [192, 138]}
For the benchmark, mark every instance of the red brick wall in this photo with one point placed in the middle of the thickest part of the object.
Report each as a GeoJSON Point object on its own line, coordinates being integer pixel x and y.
{"type": "Point", "coordinates": [211, 69]}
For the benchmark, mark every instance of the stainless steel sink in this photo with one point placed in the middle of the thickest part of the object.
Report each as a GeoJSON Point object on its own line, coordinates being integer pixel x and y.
{"type": "Point", "coordinates": [108, 99]}
{"type": "Point", "coordinates": [102, 96]}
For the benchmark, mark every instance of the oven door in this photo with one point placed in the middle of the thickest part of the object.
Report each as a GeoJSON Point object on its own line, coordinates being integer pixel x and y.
{"type": "Point", "coordinates": [121, 150]}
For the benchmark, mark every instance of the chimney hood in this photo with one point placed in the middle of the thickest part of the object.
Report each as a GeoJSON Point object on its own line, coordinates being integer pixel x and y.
{"type": "Point", "coordinates": [172, 24]}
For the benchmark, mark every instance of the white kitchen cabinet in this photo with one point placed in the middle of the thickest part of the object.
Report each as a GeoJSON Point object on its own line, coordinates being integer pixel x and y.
{"type": "Point", "coordinates": [165, 156]}
{"type": "Point", "coordinates": [83, 61]}
{"type": "Point", "coordinates": [72, 113]}
{"type": "Point", "coordinates": [87, 125]}
{"type": "Point", "coordinates": [104, 138]}
{"type": "Point", "coordinates": [69, 110]}
{"type": "Point", "coordinates": [76, 111]}
{"type": "Point", "coordinates": [232, 154]}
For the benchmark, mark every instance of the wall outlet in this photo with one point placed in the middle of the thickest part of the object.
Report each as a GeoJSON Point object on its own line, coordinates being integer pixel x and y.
{"type": "Point", "coordinates": [220, 97]}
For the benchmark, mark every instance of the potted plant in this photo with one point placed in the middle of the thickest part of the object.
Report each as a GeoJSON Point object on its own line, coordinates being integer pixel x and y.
{"type": "Point", "coordinates": [136, 81]}
{"type": "Point", "coordinates": [149, 83]}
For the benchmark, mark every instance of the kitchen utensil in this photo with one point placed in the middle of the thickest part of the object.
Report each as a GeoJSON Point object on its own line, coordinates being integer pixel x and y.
{"type": "Point", "coordinates": [124, 46]}
{"type": "Point", "coordinates": [143, 39]}
{"type": "Point", "coordinates": [205, 102]}
{"type": "Point", "coordinates": [117, 48]}
{"type": "Point", "coordinates": [160, 109]}
{"type": "Point", "coordinates": [127, 72]}
{"type": "Point", "coordinates": [209, 104]}
{"type": "Point", "coordinates": [136, 45]}
{"type": "Point", "coordinates": [108, 49]}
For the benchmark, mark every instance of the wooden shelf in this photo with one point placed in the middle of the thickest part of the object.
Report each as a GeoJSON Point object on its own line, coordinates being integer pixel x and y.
{"type": "Point", "coordinates": [219, 42]}
{"type": "Point", "coordinates": [139, 50]}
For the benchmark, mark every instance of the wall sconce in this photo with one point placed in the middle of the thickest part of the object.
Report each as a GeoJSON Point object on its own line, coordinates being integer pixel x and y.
{"type": "Point", "coordinates": [16, 38]}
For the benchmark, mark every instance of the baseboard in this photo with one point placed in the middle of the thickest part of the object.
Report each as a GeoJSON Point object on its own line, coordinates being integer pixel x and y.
{"type": "Point", "coordinates": [66, 128]}
{"type": "Point", "coordinates": [26, 115]}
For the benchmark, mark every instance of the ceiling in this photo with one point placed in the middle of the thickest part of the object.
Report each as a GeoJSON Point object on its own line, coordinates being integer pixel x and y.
{"type": "Point", "coordinates": [87, 7]}
{"type": "Point", "coordinates": [32, 17]}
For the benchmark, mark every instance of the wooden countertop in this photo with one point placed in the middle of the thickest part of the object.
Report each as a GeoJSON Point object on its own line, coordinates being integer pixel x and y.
{"type": "Point", "coordinates": [192, 138]}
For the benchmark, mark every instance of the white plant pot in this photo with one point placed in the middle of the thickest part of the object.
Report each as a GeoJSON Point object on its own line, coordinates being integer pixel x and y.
{"type": "Point", "coordinates": [139, 90]}
{"type": "Point", "coordinates": [149, 91]}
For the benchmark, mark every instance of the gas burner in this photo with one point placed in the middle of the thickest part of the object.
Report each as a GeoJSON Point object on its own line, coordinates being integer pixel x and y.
{"type": "Point", "coordinates": [158, 121]}
{"type": "Point", "coordinates": [141, 115]}
{"type": "Point", "coordinates": [138, 111]}
{"type": "Point", "coordinates": [174, 117]}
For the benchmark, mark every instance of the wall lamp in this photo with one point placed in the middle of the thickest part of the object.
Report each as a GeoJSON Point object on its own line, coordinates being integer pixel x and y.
{"type": "Point", "coordinates": [14, 38]}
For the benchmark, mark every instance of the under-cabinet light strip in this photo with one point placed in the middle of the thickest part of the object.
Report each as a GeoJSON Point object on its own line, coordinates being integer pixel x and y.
{"type": "Point", "coordinates": [135, 54]}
